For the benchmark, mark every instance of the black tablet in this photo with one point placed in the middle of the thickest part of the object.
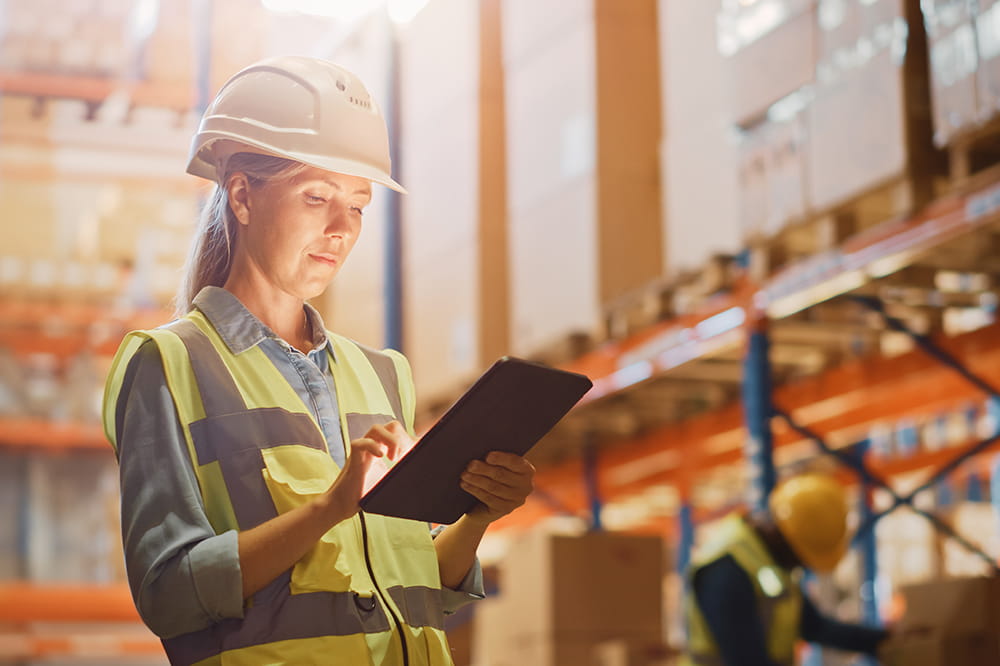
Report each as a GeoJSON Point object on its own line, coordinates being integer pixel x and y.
{"type": "Point", "coordinates": [512, 406]}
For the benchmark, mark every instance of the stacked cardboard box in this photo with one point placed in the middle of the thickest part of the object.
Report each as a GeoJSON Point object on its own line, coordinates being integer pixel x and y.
{"type": "Point", "coordinates": [12, 528]}
{"type": "Point", "coordinates": [835, 105]}
{"type": "Point", "coordinates": [561, 597]}
{"type": "Point", "coordinates": [66, 539]}
{"type": "Point", "coordinates": [949, 622]}
{"type": "Point", "coordinates": [964, 45]}
{"type": "Point", "coordinates": [772, 174]}
{"type": "Point", "coordinates": [583, 129]}
{"type": "Point", "coordinates": [769, 49]}
{"type": "Point", "coordinates": [701, 207]}
{"type": "Point", "coordinates": [440, 166]}
{"type": "Point", "coordinates": [954, 62]}
{"type": "Point", "coordinates": [771, 46]}
{"type": "Point", "coordinates": [987, 19]}
{"type": "Point", "coordinates": [869, 121]}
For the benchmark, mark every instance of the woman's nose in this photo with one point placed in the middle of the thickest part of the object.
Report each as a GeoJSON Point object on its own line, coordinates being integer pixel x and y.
{"type": "Point", "coordinates": [338, 221]}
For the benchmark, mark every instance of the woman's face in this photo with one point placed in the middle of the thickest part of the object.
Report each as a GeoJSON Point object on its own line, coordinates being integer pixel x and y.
{"type": "Point", "coordinates": [298, 231]}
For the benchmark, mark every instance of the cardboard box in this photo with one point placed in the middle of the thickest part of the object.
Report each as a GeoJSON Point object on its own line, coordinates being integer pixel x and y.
{"type": "Point", "coordinates": [987, 38]}
{"type": "Point", "coordinates": [699, 162]}
{"type": "Point", "coordinates": [866, 122]}
{"type": "Point", "coordinates": [551, 187]}
{"type": "Point", "coordinates": [602, 585]}
{"type": "Point", "coordinates": [956, 606]}
{"type": "Point", "coordinates": [773, 176]}
{"type": "Point", "coordinates": [440, 321]}
{"type": "Point", "coordinates": [774, 65]}
{"type": "Point", "coordinates": [621, 652]}
{"type": "Point", "coordinates": [938, 649]}
{"type": "Point", "coordinates": [460, 628]}
{"type": "Point", "coordinates": [585, 86]}
{"type": "Point", "coordinates": [954, 67]}
{"type": "Point", "coordinates": [577, 650]}
{"type": "Point", "coordinates": [440, 165]}
{"type": "Point", "coordinates": [489, 631]}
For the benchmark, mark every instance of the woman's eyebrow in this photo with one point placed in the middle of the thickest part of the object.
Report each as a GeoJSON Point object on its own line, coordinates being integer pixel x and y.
{"type": "Point", "coordinates": [367, 190]}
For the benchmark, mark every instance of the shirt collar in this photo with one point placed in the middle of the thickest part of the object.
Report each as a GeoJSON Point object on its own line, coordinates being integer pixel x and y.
{"type": "Point", "coordinates": [240, 329]}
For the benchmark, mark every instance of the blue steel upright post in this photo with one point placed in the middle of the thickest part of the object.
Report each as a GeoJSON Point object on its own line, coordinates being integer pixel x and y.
{"type": "Point", "coordinates": [757, 410]}
{"type": "Point", "coordinates": [866, 543]}
{"type": "Point", "coordinates": [393, 288]}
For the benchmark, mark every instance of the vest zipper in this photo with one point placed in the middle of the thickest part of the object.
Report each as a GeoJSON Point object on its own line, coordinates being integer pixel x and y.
{"type": "Point", "coordinates": [381, 594]}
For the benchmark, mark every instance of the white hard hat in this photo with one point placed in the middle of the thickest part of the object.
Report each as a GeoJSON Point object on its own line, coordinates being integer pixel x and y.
{"type": "Point", "coordinates": [303, 109]}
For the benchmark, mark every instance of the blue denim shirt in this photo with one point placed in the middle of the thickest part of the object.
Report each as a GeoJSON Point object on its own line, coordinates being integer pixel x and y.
{"type": "Point", "coordinates": [183, 576]}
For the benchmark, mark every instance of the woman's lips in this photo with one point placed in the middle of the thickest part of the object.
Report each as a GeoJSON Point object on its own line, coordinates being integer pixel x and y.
{"type": "Point", "coordinates": [328, 259]}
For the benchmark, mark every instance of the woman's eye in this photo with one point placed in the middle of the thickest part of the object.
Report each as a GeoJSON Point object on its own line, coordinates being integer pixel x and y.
{"type": "Point", "coordinates": [357, 209]}
{"type": "Point", "coordinates": [316, 199]}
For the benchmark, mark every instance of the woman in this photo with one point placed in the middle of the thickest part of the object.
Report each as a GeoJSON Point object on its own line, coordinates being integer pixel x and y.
{"type": "Point", "coordinates": [244, 430]}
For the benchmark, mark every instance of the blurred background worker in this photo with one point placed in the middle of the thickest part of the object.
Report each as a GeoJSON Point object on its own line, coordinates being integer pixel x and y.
{"type": "Point", "coordinates": [745, 606]}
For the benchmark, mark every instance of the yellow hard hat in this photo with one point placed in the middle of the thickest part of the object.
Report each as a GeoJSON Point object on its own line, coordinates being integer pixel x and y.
{"type": "Point", "coordinates": [300, 108]}
{"type": "Point", "coordinates": [810, 511]}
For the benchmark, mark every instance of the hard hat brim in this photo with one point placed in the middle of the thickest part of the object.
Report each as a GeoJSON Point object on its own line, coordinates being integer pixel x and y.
{"type": "Point", "coordinates": [203, 168]}
{"type": "Point", "coordinates": [821, 562]}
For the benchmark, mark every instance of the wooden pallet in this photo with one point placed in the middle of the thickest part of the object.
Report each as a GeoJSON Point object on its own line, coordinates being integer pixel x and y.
{"type": "Point", "coordinates": [566, 348]}
{"type": "Point", "coordinates": [826, 230]}
{"type": "Point", "coordinates": [972, 153]}
{"type": "Point", "coordinates": [666, 298]}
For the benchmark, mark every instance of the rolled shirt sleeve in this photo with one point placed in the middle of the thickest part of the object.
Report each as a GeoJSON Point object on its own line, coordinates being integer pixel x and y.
{"type": "Point", "coordinates": [183, 576]}
{"type": "Point", "coordinates": [469, 590]}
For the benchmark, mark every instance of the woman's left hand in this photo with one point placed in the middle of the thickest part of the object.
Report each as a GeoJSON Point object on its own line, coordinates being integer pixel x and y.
{"type": "Point", "coordinates": [501, 483]}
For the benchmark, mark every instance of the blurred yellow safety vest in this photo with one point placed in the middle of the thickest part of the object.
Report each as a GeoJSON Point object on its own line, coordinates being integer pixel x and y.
{"type": "Point", "coordinates": [369, 592]}
{"type": "Point", "coordinates": [779, 599]}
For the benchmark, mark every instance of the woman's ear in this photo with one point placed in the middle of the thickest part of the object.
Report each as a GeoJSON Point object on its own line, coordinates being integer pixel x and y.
{"type": "Point", "coordinates": [238, 189]}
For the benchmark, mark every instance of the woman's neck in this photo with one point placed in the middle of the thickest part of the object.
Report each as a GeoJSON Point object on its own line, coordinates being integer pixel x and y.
{"type": "Point", "coordinates": [282, 313]}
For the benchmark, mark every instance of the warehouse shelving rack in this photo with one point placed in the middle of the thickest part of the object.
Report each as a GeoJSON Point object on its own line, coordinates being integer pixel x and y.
{"type": "Point", "coordinates": [679, 380]}
{"type": "Point", "coordinates": [68, 620]}
{"type": "Point", "coordinates": [731, 341]}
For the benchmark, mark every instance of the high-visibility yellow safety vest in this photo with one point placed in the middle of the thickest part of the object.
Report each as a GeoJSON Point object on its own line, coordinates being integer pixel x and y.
{"type": "Point", "coordinates": [779, 599]}
{"type": "Point", "coordinates": [369, 592]}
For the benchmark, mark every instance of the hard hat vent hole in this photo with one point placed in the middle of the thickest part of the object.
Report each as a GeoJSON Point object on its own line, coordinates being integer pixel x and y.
{"type": "Point", "coordinates": [341, 86]}
{"type": "Point", "coordinates": [363, 103]}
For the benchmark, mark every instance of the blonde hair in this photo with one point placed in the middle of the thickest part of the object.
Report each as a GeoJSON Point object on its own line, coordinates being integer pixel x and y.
{"type": "Point", "coordinates": [211, 254]}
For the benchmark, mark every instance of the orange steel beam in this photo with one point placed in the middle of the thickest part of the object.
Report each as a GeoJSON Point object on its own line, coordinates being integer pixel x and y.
{"type": "Point", "coordinates": [65, 329]}
{"type": "Point", "coordinates": [86, 645]}
{"type": "Point", "coordinates": [95, 89]}
{"type": "Point", "coordinates": [602, 363]}
{"type": "Point", "coordinates": [45, 435]}
{"type": "Point", "coordinates": [875, 252]}
{"type": "Point", "coordinates": [68, 313]}
{"type": "Point", "coordinates": [857, 393]}
{"type": "Point", "coordinates": [27, 602]}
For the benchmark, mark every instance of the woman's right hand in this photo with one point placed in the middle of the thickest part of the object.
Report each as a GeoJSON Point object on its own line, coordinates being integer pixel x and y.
{"type": "Point", "coordinates": [344, 494]}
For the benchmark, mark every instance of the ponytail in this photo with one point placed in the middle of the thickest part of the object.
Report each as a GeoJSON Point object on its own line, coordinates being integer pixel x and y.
{"type": "Point", "coordinates": [211, 255]}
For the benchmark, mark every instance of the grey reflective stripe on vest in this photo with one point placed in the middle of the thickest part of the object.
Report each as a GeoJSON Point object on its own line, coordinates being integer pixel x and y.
{"type": "Point", "coordinates": [389, 378]}
{"type": "Point", "coordinates": [219, 393]}
{"type": "Point", "coordinates": [359, 424]}
{"type": "Point", "coordinates": [219, 436]}
{"type": "Point", "coordinates": [307, 615]}
{"type": "Point", "coordinates": [706, 659]}
{"type": "Point", "coordinates": [420, 606]}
